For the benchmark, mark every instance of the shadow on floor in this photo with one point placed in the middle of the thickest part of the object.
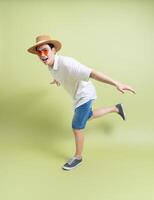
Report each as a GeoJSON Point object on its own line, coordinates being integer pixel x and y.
{"type": "Point", "coordinates": [30, 119]}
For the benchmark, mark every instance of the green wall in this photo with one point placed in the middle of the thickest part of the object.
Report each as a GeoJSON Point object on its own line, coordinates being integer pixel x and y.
{"type": "Point", "coordinates": [115, 37]}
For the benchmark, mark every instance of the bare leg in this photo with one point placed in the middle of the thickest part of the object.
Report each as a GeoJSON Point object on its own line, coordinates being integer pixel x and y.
{"type": "Point", "coordinates": [79, 136]}
{"type": "Point", "coordinates": [79, 141]}
{"type": "Point", "coordinates": [103, 111]}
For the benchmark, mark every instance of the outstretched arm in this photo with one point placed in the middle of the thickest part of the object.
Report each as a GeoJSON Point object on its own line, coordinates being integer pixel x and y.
{"type": "Point", "coordinates": [105, 79]}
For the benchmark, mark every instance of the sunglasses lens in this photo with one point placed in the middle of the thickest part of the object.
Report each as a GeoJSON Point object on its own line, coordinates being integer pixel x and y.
{"type": "Point", "coordinates": [44, 52]}
{"type": "Point", "coordinates": [39, 53]}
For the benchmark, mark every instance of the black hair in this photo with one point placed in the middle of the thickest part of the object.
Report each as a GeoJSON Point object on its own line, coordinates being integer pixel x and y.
{"type": "Point", "coordinates": [50, 45]}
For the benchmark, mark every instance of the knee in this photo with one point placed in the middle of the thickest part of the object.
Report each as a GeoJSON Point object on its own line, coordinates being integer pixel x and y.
{"type": "Point", "coordinates": [77, 131]}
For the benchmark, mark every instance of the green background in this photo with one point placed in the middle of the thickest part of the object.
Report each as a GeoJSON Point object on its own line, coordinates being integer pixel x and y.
{"type": "Point", "coordinates": [115, 37]}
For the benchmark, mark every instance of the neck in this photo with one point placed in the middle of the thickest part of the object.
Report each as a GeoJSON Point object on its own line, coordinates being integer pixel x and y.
{"type": "Point", "coordinates": [50, 65]}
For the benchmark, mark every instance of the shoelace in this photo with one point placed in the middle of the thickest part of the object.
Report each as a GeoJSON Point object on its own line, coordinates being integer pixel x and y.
{"type": "Point", "coordinates": [71, 160]}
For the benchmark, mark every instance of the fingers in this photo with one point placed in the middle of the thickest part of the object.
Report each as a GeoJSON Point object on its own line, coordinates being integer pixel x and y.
{"type": "Point", "coordinates": [130, 89]}
{"type": "Point", "coordinates": [133, 91]}
{"type": "Point", "coordinates": [57, 83]}
{"type": "Point", "coordinates": [122, 91]}
{"type": "Point", "coordinates": [53, 82]}
{"type": "Point", "coordinates": [123, 88]}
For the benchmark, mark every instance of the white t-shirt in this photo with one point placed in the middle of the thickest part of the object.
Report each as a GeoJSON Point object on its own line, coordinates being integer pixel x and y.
{"type": "Point", "coordinates": [74, 77]}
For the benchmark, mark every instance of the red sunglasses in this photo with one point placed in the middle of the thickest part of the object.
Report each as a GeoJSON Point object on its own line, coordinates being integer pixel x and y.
{"type": "Point", "coordinates": [44, 52]}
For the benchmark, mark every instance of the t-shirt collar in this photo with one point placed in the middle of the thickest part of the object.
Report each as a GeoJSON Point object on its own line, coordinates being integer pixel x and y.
{"type": "Point", "coordinates": [55, 66]}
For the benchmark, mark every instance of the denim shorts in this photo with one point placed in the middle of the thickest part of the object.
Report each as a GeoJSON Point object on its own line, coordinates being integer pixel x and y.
{"type": "Point", "coordinates": [81, 115]}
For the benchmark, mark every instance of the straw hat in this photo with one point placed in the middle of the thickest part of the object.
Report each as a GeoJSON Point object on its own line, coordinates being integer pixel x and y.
{"type": "Point", "coordinates": [44, 39]}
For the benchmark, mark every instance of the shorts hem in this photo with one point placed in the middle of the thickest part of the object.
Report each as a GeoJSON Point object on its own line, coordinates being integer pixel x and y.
{"type": "Point", "coordinates": [80, 128]}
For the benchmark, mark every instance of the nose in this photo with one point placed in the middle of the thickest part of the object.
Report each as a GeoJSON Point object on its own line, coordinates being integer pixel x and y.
{"type": "Point", "coordinates": [42, 53]}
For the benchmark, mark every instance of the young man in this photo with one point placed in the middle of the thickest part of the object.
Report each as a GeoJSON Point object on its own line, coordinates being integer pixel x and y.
{"type": "Point", "coordinates": [74, 77]}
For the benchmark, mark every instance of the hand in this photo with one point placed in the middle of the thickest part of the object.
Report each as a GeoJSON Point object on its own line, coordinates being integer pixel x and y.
{"type": "Point", "coordinates": [55, 82]}
{"type": "Point", "coordinates": [122, 88]}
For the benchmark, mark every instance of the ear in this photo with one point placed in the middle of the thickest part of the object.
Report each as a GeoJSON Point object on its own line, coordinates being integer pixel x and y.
{"type": "Point", "coordinates": [53, 50]}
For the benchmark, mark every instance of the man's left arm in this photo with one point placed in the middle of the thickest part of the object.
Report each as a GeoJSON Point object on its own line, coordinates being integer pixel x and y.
{"type": "Point", "coordinates": [105, 79]}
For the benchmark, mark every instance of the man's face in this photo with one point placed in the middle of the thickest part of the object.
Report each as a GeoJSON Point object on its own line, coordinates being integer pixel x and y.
{"type": "Point", "coordinates": [46, 54]}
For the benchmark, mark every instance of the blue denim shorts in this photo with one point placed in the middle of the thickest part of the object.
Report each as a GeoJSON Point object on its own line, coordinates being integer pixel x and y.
{"type": "Point", "coordinates": [81, 115]}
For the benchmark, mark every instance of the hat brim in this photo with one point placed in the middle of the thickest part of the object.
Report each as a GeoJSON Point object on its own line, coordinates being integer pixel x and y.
{"type": "Point", "coordinates": [56, 44]}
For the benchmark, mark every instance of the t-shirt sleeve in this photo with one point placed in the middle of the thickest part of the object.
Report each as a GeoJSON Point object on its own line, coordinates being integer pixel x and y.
{"type": "Point", "coordinates": [78, 70]}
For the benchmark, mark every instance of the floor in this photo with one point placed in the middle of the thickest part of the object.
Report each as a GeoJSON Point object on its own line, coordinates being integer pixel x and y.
{"type": "Point", "coordinates": [31, 169]}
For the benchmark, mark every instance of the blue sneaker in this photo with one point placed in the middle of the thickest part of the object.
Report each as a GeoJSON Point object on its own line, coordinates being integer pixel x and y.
{"type": "Point", "coordinates": [121, 111]}
{"type": "Point", "coordinates": [72, 163]}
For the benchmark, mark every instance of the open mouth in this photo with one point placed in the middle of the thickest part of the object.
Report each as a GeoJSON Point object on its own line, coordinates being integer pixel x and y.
{"type": "Point", "coordinates": [44, 59]}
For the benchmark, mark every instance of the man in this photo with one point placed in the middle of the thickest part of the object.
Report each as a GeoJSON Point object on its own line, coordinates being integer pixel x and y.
{"type": "Point", "coordinates": [74, 77]}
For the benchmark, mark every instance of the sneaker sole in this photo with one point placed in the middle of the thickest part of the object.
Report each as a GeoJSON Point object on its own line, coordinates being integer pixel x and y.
{"type": "Point", "coordinates": [123, 112]}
